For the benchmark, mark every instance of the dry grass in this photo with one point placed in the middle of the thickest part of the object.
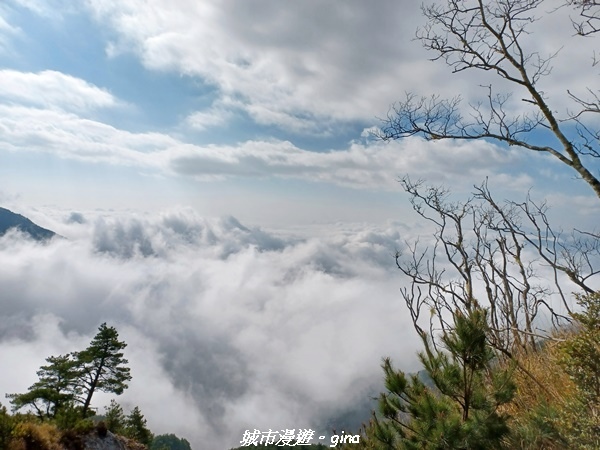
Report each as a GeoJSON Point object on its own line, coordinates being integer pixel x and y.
{"type": "Point", "coordinates": [544, 398]}
{"type": "Point", "coordinates": [540, 379]}
{"type": "Point", "coordinates": [35, 436]}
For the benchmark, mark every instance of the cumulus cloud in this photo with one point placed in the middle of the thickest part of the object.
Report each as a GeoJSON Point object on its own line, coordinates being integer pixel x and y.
{"type": "Point", "coordinates": [75, 217]}
{"type": "Point", "coordinates": [275, 68]}
{"type": "Point", "coordinates": [307, 67]}
{"type": "Point", "coordinates": [229, 327]}
{"type": "Point", "coordinates": [303, 66]}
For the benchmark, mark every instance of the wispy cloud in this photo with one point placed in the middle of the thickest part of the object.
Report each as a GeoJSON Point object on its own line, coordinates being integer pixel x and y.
{"type": "Point", "coordinates": [362, 165]}
{"type": "Point", "coordinates": [7, 31]}
{"type": "Point", "coordinates": [68, 135]}
{"type": "Point", "coordinates": [53, 90]}
{"type": "Point", "coordinates": [52, 9]}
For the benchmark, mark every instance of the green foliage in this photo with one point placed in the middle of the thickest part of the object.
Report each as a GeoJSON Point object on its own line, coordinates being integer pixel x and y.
{"type": "Point", "coordinates": [114, 417]}
{"type": "Point", "coordinates": [55, 389]}
{"type": "Point", "coordinates": [135, 427]}
{"type": "Point", "coordinates": [370, 439]}
{"type": "Point", "coordinates": [581, 358]}
{"type": "Point", "coordinates": [62, 396]}
{"type": "Point", "coordinates": [461, 411]}
{"type": "Point", "coordinates": [169, 442]}
{"type": "Point", "coordinates": [70, 379]}
{"type": "Point", "coordinates": [84, 426]}
{"type": "Point", "coordinates": [67, 418]}
{"type": "Point", "coordinates": [7, 424]}
{"type": "Point", "coordinates": [102, 365]}
{"type": "Point", "coordinates": [536, 429]}
{"type": "Point", "coordinates": [67, 430]}
{"type": "Point", "coordinates": [579, 420]}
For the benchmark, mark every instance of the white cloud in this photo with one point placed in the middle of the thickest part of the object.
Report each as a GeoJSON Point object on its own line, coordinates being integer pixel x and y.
{"type": "Point", "coordinates": [7, 31]}
{"type": "Point", "coordinates": [371, 165]}
{"type": "Point", "coordinates": [67, 135]}
{"type": "Point", "coordinates": [229, 327]}
{"type": "Point", "coordinates": [50, 9]}
{"type": "Point", "coordinates": [302, 66]}
{"type": "Point", "coordinates": [308, 67]}
{"type": "Point", "coordinates": [368, 165]}
{"type": "Point", "coordinates": [53, 90]}
{"type": "Point", "coordinates": [217, 115]}
{"type": "Point", "coordinates": [5, 27]}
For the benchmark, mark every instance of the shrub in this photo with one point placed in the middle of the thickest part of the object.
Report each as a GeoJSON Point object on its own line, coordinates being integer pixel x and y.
{"type": "Point", "coordinates": [35, 436]}
{"type": "Point", "coordinates": [7, 424]}
{"type": "Point", "coordinates": [84, 426]}
{"type": "Point", "coordinates": [579, 420]}
{"type": "Point", "coordinates": [66, 418]}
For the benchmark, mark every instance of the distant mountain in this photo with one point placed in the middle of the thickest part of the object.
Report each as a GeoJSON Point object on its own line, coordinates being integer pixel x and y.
{"type": "Point", "coordinates": [9, 219]}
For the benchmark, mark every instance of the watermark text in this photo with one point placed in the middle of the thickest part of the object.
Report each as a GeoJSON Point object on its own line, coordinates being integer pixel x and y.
{"type": "Point", "coordinates": [292, 438]}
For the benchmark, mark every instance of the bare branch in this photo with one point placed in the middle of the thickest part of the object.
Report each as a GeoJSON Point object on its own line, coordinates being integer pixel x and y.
{"type": "Point", "coordinates": [589, 16]}
{"type": "Point", "coordinates": [486, 254]}
{"type": "Point", "coordinates": [489, 36]}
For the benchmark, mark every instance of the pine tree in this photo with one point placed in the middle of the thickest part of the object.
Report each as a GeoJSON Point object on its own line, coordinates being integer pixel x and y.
{"type": "Point", "coordinates": [457, 407]}
{"type": "Point", "coordinates": [102, 365]}
{"type": "Point", "coordinates": [55, 389]}
{"type": "Point", "coordinates": [135, 427]}
{"type": "Point", "coordinates": [72, 379]}
{"type": "Point", "coordinates": [114, 418]}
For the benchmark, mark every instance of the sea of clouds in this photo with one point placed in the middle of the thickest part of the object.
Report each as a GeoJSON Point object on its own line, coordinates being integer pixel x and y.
{"type": "Point", "coordinates": [229, 327]}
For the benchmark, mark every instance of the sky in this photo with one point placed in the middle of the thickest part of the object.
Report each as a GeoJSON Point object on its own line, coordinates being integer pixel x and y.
{"type": "Point", "coordinates": [225, 202]}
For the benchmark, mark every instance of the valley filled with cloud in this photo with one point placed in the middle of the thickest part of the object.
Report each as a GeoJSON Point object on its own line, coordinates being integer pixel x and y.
{"type": "Point", "coordinates": [229, 327]}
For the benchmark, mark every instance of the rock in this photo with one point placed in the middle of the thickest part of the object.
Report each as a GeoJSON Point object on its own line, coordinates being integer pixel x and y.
{"type": "Point", "coordinates": [111, 441]}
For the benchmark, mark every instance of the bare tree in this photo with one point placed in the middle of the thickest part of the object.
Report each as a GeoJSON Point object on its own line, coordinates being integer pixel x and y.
{"type": "Point", "coordinates": [498, 260]}
{"type": "Point", "coordinates": [491, 255]}
{"type": "Point", "coordinates": [490, 35]}
{"type": "Point", "coordinates": [588, 21]}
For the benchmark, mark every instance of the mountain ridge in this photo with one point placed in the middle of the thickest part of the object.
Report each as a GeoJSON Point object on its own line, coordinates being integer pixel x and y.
{"type": "Point", "coordinates": [10, 220]}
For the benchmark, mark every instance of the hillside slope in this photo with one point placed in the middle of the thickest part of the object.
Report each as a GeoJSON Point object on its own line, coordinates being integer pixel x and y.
{"type": "Point", "coordinates": [10, 220]}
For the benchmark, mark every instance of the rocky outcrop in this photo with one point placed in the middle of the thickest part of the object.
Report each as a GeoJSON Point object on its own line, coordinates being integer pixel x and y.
{"type": "Point", "coordinates": [111, 441]}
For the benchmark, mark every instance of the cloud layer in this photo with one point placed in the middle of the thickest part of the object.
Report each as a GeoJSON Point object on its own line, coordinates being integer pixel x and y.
{"type": "Point", "coordinates": [365, 164]}
{"type": "Point", "coordinates": [228, 327]}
